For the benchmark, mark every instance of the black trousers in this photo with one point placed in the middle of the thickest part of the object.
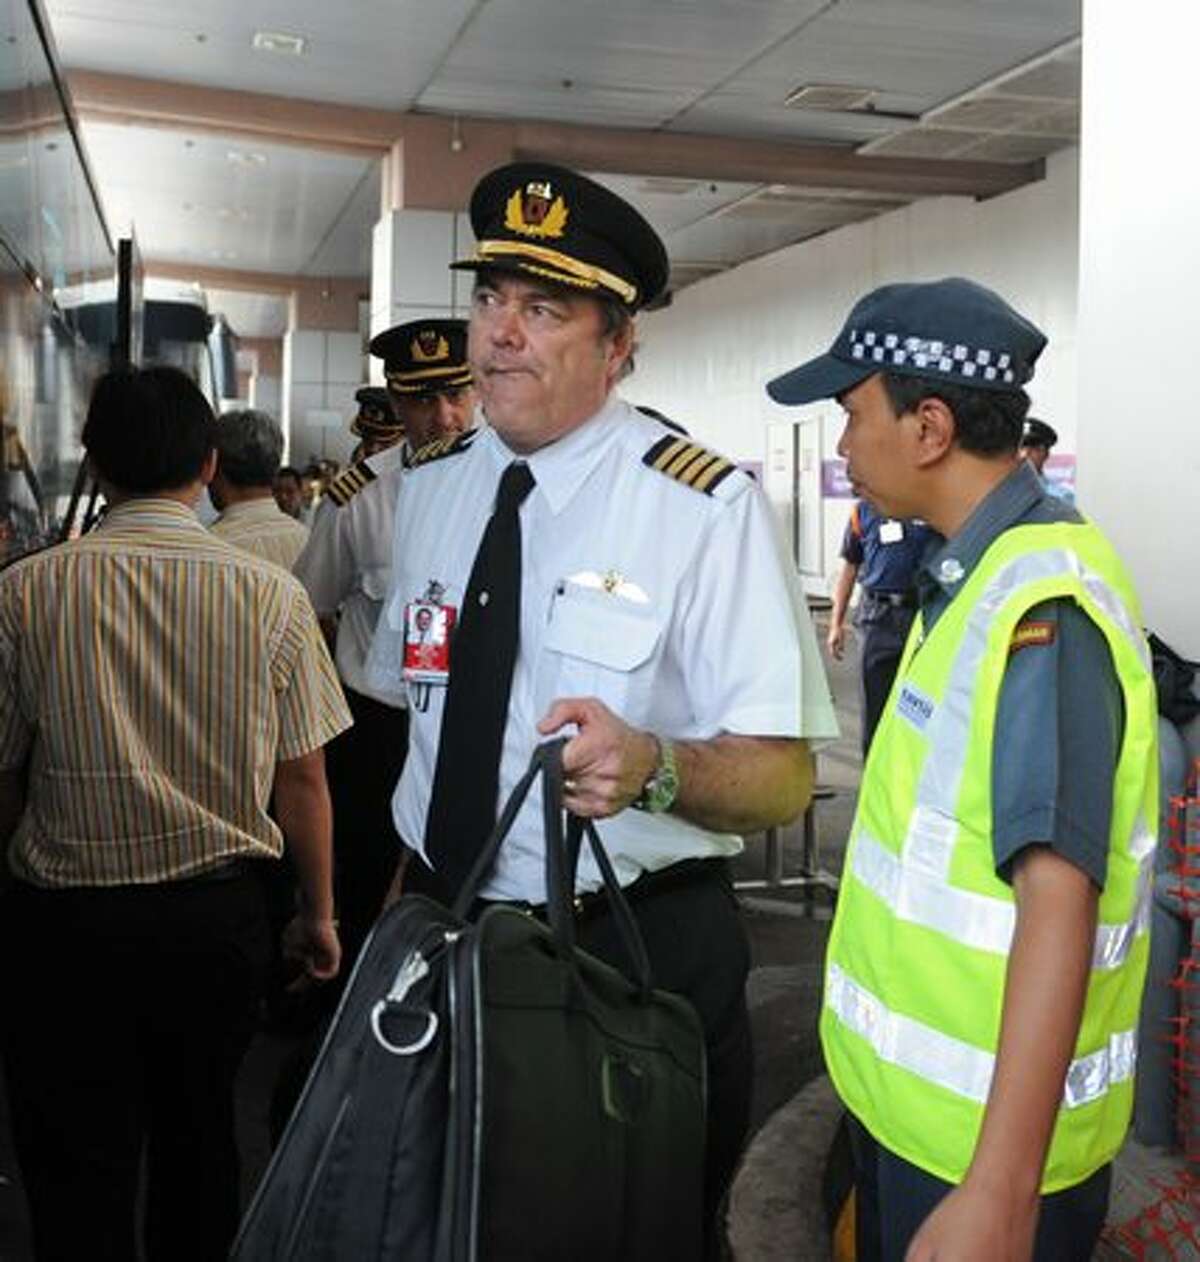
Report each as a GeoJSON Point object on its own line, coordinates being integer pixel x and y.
{"type": "Point", "coordinates": [883, 630]}
{"type": "Point", "coordinates": [362, 766]}
{"type": "Point", "coordinates": [698, 948]}
{"type": "Point", "coordinates": [893, 1198]}
{"type": "Point", "coordinates": [126, 1013]}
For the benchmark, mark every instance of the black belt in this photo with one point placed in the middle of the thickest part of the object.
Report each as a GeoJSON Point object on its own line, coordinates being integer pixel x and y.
{"type": "Point", "coordinates": [897, 600]}
{"type": "Point", "coordinates": [595, 903]}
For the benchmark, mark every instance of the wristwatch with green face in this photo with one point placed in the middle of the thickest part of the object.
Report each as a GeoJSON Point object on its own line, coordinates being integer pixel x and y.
{"type": "Point", "coordinates": [659, 792]}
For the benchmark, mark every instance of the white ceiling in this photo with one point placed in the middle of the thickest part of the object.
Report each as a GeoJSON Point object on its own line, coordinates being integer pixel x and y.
{"type": "Point", "coordinates": [720, 67]}
{"type": "Point", "coordinates": [223, 202]}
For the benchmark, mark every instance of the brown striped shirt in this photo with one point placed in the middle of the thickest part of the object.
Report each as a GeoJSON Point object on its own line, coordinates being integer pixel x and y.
{"type": "Point", "coordinates": [261, 527]}
{"type": "Point", "coordinates": [152, 675]}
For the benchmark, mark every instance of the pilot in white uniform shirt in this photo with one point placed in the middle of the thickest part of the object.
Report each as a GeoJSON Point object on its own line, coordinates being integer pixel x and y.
{"type": "Point", "coordinates": [674, 607]}
{"type": "Point", "coordinates": [347, 564]}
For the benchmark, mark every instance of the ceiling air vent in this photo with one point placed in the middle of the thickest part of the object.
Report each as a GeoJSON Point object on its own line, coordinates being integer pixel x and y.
{"type": "Point", "coordinates": [832, 98]}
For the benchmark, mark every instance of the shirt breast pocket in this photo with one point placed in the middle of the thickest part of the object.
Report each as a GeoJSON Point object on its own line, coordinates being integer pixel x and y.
{"type": "Point", "coordinates": [598, 645]}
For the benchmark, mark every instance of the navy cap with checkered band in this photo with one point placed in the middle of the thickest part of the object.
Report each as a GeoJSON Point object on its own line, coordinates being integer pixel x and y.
{"type": "Point", "coordinates": [947, 330]}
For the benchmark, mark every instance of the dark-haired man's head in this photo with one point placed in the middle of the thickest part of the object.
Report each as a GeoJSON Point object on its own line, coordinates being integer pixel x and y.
{"type": "Point", "coordinates": [289, 491]}
{"type": "Point", "coordinates": [149, 432]}
{"type": "Point", "coordinates": [249, 451]}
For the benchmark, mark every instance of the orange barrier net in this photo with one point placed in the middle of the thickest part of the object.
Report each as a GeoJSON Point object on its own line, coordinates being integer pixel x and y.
{"type": "Point", "coordinates": [1168, 1229]}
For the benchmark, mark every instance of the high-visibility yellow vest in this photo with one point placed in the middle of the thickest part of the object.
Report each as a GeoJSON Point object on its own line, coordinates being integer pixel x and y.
{"type": "Point", "coordinates": [915, 973]}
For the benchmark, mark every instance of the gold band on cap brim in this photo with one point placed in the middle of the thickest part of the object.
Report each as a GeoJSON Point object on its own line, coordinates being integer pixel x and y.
{"type": "Point", "coordinates": [495, 251]}
{"type": "Point", "coordinates": [428, 381]}
{"type": "Point", "coordinates": [375, 431]}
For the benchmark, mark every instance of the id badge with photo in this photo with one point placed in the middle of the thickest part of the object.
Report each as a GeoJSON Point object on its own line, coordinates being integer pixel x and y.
{"type": "Point", "coordinates": [427, 630]}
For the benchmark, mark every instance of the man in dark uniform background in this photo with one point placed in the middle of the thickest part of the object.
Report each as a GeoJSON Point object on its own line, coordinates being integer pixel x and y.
{"type": "Point", "coordinates": [883, 555]}
{"type": "Point", "coordinates": [1036, 441]}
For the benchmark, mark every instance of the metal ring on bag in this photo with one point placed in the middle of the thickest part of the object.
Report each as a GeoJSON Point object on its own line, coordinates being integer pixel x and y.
{"type": "Point", "coordinates": [406, 1049]}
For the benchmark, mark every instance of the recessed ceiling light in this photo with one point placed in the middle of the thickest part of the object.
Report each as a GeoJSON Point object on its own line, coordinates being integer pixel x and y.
{"type": "Point", "coordinates": [279, 42]}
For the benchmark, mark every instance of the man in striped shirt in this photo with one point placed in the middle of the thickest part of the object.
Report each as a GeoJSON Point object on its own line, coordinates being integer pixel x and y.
{"type": "Point", "coordinates": [156, 687]}
{"type": "Point", "coordinates": [249, 450]}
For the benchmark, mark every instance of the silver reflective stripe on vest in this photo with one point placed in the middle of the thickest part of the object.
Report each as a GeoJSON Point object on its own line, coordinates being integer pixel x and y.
{"type": "Point", "coordinates": [931, 833]}
{"type": "Point", "coordinates": [916, 884]}
{"type": "Point", "coordinates": [973, 919]}
{"type": "Point", "coordinates": [978, 920]}
{"type": "Point", "coordinates": [957, 1066]}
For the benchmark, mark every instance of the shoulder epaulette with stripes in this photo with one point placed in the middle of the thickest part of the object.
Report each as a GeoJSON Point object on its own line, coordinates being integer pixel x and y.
{"type": "Point", "coordinates": [689, 463]}
{"type": "Point", "coordinates": [441, 447]}
{"type": "Point", "coordinates": [349, 482]}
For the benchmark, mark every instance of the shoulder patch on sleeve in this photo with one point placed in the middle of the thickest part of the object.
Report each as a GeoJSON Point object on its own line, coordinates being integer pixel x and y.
{"type": "Point", "coordinates": [442, 447]}
{"type": "Point", "coordinates": [1033, 632]}
{"type": "Point", "coordinates": [349, 482]}
{"type": "Point", "coordinates": [689, 463]}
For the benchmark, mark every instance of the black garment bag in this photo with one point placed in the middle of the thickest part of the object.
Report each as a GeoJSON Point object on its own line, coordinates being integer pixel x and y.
{"type": "Point", "coordinates": [489, 1091]}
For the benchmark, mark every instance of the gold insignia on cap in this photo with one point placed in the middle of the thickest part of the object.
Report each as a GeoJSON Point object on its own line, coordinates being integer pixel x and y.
{"type": "Point", "coordinates": [534, 211]}
{"type": "Point", "coordinates": [429, 346]}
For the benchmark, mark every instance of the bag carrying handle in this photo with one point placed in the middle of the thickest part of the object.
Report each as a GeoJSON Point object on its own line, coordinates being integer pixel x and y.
{"type": "Point", "coordinates": [491, 848]}
{"type": "Point", "coordinates": [562, 861]}
{"type": "Point", "coordinates": [622, 913]}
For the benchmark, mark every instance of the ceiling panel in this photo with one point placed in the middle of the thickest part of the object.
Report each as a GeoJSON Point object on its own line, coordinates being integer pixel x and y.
{"type": "Point", "coordinates": [733, 238]}
{"type": "Point", "coordinates": [624, 61]}
{"type": "Point", "coordinates": [1003, 119]}
{"type": "Point", "coordinates": [250, 315]}
{"type": "Point", "coordinates": [219, 201]}
{"type": "Point", "coordinates": [915, 53]}
{"type": "Point", "coordinates": [670, 204]}
{"type": "Point", "coordinates": [346, 248]}
{"type": "Point", "coordinates": [364, 52]}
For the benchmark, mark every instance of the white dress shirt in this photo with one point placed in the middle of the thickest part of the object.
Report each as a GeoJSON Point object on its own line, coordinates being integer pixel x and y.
{"type": "Point", "coordinates": [347, 565]}
{"type": "Point", "coordinates": [699, 629]}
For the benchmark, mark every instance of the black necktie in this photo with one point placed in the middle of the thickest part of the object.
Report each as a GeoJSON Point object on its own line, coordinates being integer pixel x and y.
{"type": "Point", "coordinates": [466, 781]}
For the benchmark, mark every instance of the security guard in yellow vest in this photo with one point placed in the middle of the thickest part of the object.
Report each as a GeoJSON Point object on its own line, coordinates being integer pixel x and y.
{"type": "Point", "coordinates": [986, 963]}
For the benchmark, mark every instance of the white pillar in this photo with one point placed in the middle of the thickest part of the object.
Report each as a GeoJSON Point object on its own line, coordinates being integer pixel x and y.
{"type": "Point", "coordinates": [1139, 441]}
{"type": "Point", "coordinates": [411, 253]}
{"type": "Point", "coordinates": [322, 368]}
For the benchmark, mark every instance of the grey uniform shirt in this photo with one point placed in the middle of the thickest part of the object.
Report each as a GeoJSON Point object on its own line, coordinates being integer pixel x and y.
{"type": "Point", "coordinates": [1060, 718]}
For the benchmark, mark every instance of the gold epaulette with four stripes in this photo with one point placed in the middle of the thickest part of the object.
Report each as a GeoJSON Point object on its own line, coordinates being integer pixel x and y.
{"type": "Point", "coordinates": [689, 463]}
{"type": "Point", "coordinates": [349, 482]}
{"type": "Point", "coordinates": [441, 447]}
